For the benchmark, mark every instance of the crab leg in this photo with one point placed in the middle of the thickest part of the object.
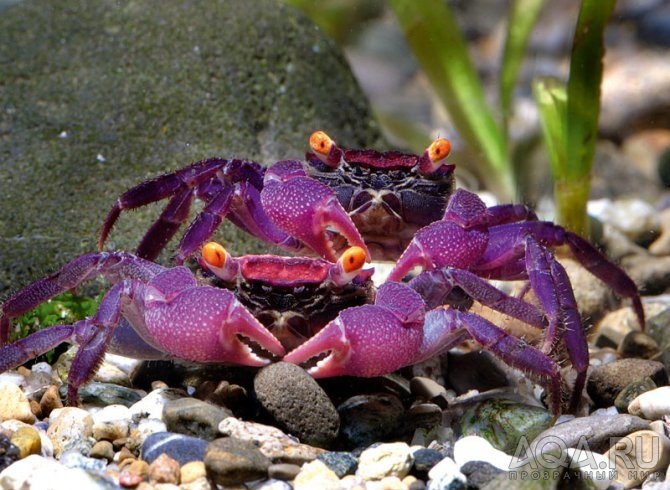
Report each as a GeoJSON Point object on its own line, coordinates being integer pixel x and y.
{"type": "Point", "coordinates": [112, 265]}
{"type": "Point", "coordinates": [444, 329]}
{"type": "Point", "coordinates": [368, 340]}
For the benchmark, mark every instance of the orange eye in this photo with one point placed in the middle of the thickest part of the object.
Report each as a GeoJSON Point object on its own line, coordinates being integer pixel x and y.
{"type": "Point", "coordinates": [439, 149]}
{"type": "Point", "coordinates": [214, 254]}
{"type": "Point", "coordinates": [353, 259]}
{"type": "Point", "coordinates": [320, 143]}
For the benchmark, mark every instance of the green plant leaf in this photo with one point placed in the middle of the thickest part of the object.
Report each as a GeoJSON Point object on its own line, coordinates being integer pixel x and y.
{"type": "Point", "coordinates": [522, 17]}
{"type": "Point", "coordinates": [434, 36]}
{"type": "Point", "coordinates": [550, 97]}
{"type": "Point", "coordinates": [586, 68]}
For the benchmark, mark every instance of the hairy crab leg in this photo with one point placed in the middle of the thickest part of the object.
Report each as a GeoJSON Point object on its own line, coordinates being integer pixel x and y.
{"type": "Point", "coordinates": [160, 188]}
{"type": "Point", "coordinates": [505, 239]}
{"type": "Point", "coordinates": [112, 265]}
{"type": "Point", "coordinates": [443, 330]}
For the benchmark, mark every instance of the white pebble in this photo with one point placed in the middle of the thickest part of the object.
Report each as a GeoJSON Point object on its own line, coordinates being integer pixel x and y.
{"type": "Point", "coordinates": [443, 474]}
{"type": "Point", "coordinates": [391, 459]}
{"type": "Point", "coordinates": [651, 405]}
{"type": "Point", "coordinates": [475, 448]}
{"type": "Point", "coordinates": [47, 474]}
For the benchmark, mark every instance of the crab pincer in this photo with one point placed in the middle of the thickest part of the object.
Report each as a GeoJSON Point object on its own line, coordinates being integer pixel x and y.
{"type": "Point", "coordinates": [368, 340]}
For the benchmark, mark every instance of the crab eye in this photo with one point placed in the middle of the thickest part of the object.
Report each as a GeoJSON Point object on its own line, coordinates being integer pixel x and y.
{"type": "Point", "coordinates": [320, 143]}
{"type": "Point", "coordinates": [438, 150]}
{"type": "Point", "coordinates": [353, 259]}
{"type": "Point", "coordinates": [214, 254]}
{"type": "Point", "coordinates": [431, 160]}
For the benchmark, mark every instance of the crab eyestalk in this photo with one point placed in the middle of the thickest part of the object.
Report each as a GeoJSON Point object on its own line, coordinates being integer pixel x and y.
{"type": "Point", "coordinates": [348, 266]}
{"type": "Point", "coordinates": [325, 149]}
{"type": "Point", "coordinates": [433, 156]}
{"type": "Point", "coordinates": [217, 260]}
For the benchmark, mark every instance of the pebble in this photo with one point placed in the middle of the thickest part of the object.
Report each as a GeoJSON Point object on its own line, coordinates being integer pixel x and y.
{"type": "Point", "coordinates": [192, 471]}
{"type": "Point", "coordinates": [342, 463]}
{"type": "Point", "coordinates": [429, 390]}
{"type": "Point", "coordinates": [297, 403]}
{"type": "Point", "coordinates": [638, 344]}
{"type": "Point", "coordinates": [139, 433]}
{"type": "Point", "coordinates": [504, 422]}
{"type": "Point", "coordinates": [474, 371]}
{"type": "Point", "coordinates": [178, 446]}
{"type": "Point", "coordinates": [316, 475]}
{"type": "Point", "coordinates": [71, 428]}
{"type": "Point", "coordinates": [389, 459]}
{"type": "Point", "coordinates": [103, 394]}
{"type": "Point", "coordinates": [632, 391]}
{"type": "Point", "coordinates": [102, 450]}
{"type": "Point", "coordinates": [479, 473]}
{"type": "Point", "coordinates": [28, 440]}
{"type": "Point", "coordinates": [111, 423]}
{"type": "Point", "coordinates": [606, 381]}
{"type": "Point", "coordinates": [152, 405]}
{"type": "Point", "coordinates": [369, 418]}
{"type": "Point", "coordinates": [50, 401]}
{"type": "Point", "coordinates": [446, 475]}
{"type": "Point", "coordinates": [271, 441]}
{"type": "Point", "coordinates": [635, 218]}
{"type": "Point", "coordinates": [474, 448]}
{"type": "Point", "coordinates": [424, 460]}
{"type": "Point", "coordinates": [638, 454]}
{"type": "Point", "coordinates": [164, 469]}
{"type": "Point", "coordinates": [651, 405]}
{"type": "Point", "coordinates": [9, 453]}
{"type": "Point", "coordinates": [231, 461]}
{"type": "Point", "coordinates": [283, 471]}
{"type": "Point", "coordinates": [194, 417]}
{"type": "Point", "coordinates": [72, 458]}
{"type": "Point", "coordinates": [596, 430]}
{"type": "Point", "coordinates": [37, 472]}
{"type": "Point", "coordinates": [14, 404]}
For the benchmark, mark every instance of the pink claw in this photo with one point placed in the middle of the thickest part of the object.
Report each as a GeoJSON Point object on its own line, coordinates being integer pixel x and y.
{"type": "Point", "coordinates": [206, 324]}
{"type": "Point", "coordinates": [369, 340]}
{"type": "Point", "coordinates": [309, 211]}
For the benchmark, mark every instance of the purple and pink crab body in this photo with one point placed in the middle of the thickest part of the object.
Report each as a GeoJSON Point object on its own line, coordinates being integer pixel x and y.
{"type": "Point", "coordinates": [324, 313]}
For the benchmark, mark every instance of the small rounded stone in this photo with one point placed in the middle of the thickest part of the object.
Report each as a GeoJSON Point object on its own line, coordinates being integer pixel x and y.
{"type": "Point", "coordinates": [102, 450]}
{"type": "Point", "coordinates": [297, 403]}
{"type": "Point", "coordinates": [194, 417]}
{"type": "Point", "coordinates": [283, 471]}
{"type": "Point", "coordinates": [28, 440]}
{"type": "Point", "coordinates": [638, 344]}
{"type": "Point", "coordinates": [390, 459]}
{"type": "Point", "coordinates": [632, 391]}
{"type": "Point", "coordinates": [192, 471]}
{"type": "Point", "coordinates": [652, 405]}
{"type": "Point", "coordinates": [14, 405]}
{"type": "Point", "coordinates": [316, 474]}
{"type": "Point", "coordinates": [231, 461]}
{"type": "Point", "coordinates": [50, 401]}
{"type": "Point", "coordinates": [342, 463]}
{"type": "Point", "coordinates": [164, 469]}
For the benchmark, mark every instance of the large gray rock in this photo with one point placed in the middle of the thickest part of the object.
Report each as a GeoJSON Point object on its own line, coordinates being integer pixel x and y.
{"type": "Point", "coordinates": [100, 95]}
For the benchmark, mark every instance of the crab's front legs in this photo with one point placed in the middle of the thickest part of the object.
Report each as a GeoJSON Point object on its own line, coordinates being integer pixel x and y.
{"type": "Point", "coordinates": [368, 340]}
{"type": "Point", "coordinates": [112, 265]}
{"type": "Point", "coordinates": [307, 209]}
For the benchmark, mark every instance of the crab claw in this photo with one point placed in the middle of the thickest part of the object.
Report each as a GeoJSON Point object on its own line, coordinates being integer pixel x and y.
{"type": "Point", "coordinates": [309, 211]}
{"type": "Point", "coordinates": [440, 244]}
{"type": "Point", "coordinates": [207, 324]}
{"type": "Point", "coordinates": [369, 340]}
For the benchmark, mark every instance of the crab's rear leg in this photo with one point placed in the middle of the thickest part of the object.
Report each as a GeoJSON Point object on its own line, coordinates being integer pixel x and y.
{"type": "Point", "coordinates": [181, 182]}
{"type": "Point", "coordinates": [114, 266]}
{"type": "Point", "coordinates": [445, 328]}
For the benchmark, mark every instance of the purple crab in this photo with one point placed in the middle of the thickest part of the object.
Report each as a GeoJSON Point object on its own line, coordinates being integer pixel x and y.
{"type": "Point", "coordinates": [364, 198]}
{"type": "Point", "coordinates": [336, 323]}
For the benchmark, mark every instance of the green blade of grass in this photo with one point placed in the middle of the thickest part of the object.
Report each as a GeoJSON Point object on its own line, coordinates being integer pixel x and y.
{"type": "Point", "coordinates": [520, 24]}
{"type": "Point", "coordinates": [550, 97]}
{"type": "Point", "coordinates": [435, 39]}
{"type": "Point", "coordinates": [586, 68]}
